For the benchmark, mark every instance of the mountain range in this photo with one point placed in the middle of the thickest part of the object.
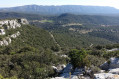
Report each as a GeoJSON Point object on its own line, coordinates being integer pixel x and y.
{"type": "Point", "coordinates": [75, 9]}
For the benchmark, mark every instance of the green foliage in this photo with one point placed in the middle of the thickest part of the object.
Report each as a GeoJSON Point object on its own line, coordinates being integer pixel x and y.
{"type": "Point", "coordinates": [79, 58]}
{"type": "Point", "coordinates": [99, 47]}
{"type": "Point", "coordinates": [1, 77]}
{"type": "Point", "coordinates": [55, 48]}
{"type": "Point", "coordinates": [88, 19]}
{"type": "Point", "coordinates": [95, 69]}
{"type": "Point", "coordinates": [97, 52]}
{"type": "Point", "coordinates": [68, 38]}
{"type": "Point", "coordinates": [96, 60]}
{"type": "Point", "coordinates": [111, 54]}
{"type": "Point", "coordinates": [12, 53]}
{"type": "Point", "coordinates": [29, 56]}
{"type": "Point", "coordinates": [29, 64]}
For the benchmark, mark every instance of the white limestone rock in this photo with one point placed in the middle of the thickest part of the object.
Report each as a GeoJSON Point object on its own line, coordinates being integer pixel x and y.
{"type": "Point", "coordinates": [13, 23]}
{"type": "Point", "coordinates": [114, 71]}
{"type": "Point", "coordinates": [65, 56]}
{"type": "Point", "coordinates": [2, 32]}
{"type": "Point", "coordinates": [10, 24]}
{"type": "Point", "coordinates": [59, 68]}
{"type": "Point", "coordinates": [23, 21]}
{"type": "Point", "coordinates": [114, 63]}
{"type": "Point", "coordinates": [15, 35]}
{"type": "Point", "coordinates": [106, 76]}
{"type": "Point", "coordinates": [69, 73]}
{"type": "Point", "coordinates": [5, 41]}
{"type": "Point", "coordinates": [114, 49]}
{"type": "Point", "coordinates": [111, 64]}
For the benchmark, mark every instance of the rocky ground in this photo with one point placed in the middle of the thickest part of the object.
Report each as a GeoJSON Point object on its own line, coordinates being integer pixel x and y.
{"type": "Point", "coordinates": [110, 71]}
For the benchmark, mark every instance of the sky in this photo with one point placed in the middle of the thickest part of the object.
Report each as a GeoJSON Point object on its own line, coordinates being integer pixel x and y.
{"type": "Point", "coordinates": [13, 3]}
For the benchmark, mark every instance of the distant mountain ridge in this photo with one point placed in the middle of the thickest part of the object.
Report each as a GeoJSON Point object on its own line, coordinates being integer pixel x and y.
{"type": "Point", "coordinates": [75, 9]}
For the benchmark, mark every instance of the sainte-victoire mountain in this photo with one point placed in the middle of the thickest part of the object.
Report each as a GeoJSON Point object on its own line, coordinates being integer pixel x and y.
{"type": "Point", "coordinates": [76, 9]}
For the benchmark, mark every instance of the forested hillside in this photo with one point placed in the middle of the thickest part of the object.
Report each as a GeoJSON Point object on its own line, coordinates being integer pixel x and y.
{"type": "Point", "coordinates": [30, 55]}
{"type": "Point", "coordinates": [81, 30]}
{"type": "Point", "coordinates": [43, 48]}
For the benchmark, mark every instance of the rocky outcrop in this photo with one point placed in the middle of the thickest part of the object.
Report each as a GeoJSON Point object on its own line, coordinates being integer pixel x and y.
{"type": "Point", "coordinates": [114, 49]}
{"type": "Point", "coordinates": [6, 41]}
{"type": "Point", "coordinates": [106, 76]}
{"type": "Point", "coordinates": [7, 25]}
{"type": "Point", "coordinates": [113, 69]}
{"type": "Point", "coordinates": [15, 35]}
{"type": "Point", "coordinates": [69, 73]}
{"type": "Point", "coordinates": [23, 21]}
{"type": "Point", "coordinates": [2, 32]}
{"type": "Point", "coordinates": [12, 24]}
{"type": "Point", "coordinates": [59, 68]}
{"type": "Point", "coordinates": [111, 64]}
{"type": "Point", "coordinates": [112, 74]}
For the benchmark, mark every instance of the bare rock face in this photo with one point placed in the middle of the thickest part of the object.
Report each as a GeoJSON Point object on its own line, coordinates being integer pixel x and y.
{"type": "Point", "coordinates": [10, 24]}
{"type": "Point", "coordinates": [69, 73]}
{"type": "Point", "coordinates": [111, 64]}
{"type": "Point", "coordinates": [5, 41]}
{"type": "Point", "coordinates": [23, 21]}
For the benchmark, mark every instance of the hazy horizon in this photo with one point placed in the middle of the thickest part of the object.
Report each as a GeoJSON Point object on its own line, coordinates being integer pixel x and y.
{"type": "Point", "coordinates": [15, 3]}
{"type": "Point", "coordinates": [57, 5]}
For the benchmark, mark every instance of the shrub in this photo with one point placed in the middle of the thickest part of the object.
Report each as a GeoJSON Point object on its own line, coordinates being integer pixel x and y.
{"type": "Point", "coordinates": [95, 69]}
{"type": "Point", "coordinates": [79, 58]}
{"type": "Point", "coordinates": [95, 60]}
{"type": "Point", "coordinates": [12, 53]}
{"type": "Point", "coordinates": [55, 48]}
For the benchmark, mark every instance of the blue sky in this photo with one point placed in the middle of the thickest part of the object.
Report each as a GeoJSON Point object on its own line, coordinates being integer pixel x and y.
{"type": "Point", "coordinates": [12, 3]}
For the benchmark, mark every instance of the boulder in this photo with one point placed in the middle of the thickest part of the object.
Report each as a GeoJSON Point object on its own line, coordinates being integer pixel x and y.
{"type": "Point", "coordinates": [59, 68]}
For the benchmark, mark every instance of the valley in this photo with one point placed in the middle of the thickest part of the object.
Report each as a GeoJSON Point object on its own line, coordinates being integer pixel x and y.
{"type": "Point", "coordinates": [62, 46]}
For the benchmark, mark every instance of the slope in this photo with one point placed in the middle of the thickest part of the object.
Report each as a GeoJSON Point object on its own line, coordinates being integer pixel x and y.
{"type": "Point", "coordinates": [30, 55]}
